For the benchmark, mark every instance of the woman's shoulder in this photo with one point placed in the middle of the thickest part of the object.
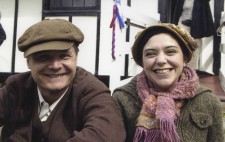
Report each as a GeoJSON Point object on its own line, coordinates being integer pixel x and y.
{"type": "Point", "coordinates": [205, 96]}
{"type": "Point", "coordinates": [127, 91]}
{"type": "Point", "coordinates": [130, 87]}
{"type": "Point", "coordinates": [204, 91]}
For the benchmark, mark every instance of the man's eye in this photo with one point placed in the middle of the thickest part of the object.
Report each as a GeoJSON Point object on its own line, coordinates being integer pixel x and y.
{"type": "Point", "coordinates": [64, 56]}
{"type": "Point", "coordinates": [42, 58]}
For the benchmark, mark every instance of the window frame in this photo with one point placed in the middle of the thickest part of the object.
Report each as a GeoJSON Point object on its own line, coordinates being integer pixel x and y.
{"type": "Point", "coordinates": [47, 10]}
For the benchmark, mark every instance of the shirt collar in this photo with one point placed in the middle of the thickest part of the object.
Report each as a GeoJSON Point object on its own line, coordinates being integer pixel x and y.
{"type": "Point", "coordinates": [41, 99]}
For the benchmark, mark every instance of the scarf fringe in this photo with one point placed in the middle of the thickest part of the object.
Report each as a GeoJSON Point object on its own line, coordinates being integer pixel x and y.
{"type": "Point", "coordinates": [146, 135]}
{"type": "Point", "coordinates": [168, 131]}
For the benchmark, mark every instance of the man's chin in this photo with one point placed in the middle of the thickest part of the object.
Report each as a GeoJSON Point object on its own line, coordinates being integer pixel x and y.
{"type": "Point", "coordinates": [56, 88]}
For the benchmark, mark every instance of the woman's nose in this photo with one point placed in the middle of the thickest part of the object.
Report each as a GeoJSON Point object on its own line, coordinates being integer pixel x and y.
{"type": "Point", "coordinates": [161, 59]}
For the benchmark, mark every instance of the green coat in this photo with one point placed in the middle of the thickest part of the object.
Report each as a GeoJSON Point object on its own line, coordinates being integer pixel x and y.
{"type": "Point", "coordinates": [200, 119]}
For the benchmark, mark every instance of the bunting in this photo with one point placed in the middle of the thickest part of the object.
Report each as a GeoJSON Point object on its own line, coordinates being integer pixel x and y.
{"type": "Point", "coordinates": [116, 16]}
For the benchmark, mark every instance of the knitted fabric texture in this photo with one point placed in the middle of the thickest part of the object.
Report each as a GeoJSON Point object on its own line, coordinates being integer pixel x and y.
{"type": "Point", "coordinates": [156, 121]}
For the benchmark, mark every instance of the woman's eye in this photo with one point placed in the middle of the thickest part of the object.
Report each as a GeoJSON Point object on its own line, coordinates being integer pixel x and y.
{"type": "Point", "coordinates": [171, 52]}
{"type": "Point", "coordinates": [150, 54]}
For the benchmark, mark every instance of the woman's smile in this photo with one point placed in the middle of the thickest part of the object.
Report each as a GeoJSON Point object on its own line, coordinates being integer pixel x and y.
{"type": "Point", "coordinates": [162, 71]}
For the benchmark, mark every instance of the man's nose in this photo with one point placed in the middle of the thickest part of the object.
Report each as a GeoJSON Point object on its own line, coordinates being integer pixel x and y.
{"type": "Point", "coordinates": [55, 64]}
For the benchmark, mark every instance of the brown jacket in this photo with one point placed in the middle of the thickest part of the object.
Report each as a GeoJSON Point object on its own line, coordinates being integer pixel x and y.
{"type": "Point", "coordinates": [87, 113]}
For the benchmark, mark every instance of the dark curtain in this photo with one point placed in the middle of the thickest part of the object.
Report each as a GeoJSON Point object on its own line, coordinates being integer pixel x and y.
{"type": "Point", "coordinates": [218, 8]}
{"type": "Point", "coordinates": [2, 34]}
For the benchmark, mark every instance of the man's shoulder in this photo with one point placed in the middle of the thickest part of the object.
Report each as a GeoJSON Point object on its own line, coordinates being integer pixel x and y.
{"type": "Point", "coordinates": [86, 80]}
{"type": "Point", "coordinates": [19, 76]}
{"type": "Point", "coordinates": [19, 80]}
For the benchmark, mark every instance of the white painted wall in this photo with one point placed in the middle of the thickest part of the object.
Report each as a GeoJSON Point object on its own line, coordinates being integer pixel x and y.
{"type": "Point", "coordinates": [30, 13]}
{"type": "Point", "coordinates": [143, 12]}
{"type": "Point", "coordinates": [206, 50]}
{"type": "Point", "coordinates": [222, 48]}
{"type": "Point", "coordinates": [7, 20]}
{"type": "Point", "coordinates": [115, 68]}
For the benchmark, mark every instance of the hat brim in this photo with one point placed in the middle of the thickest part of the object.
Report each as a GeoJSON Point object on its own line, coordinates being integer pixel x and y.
{"type": "Point", "coordinates": [173, 31]}
{"type": "Point", "coordinates": [50, 45]}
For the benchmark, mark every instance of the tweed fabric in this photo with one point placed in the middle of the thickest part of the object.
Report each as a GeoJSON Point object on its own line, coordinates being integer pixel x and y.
{"type": "Point", "coordinates": [54, 34]}
{"type": "Point", "coordinates": [200, 117]}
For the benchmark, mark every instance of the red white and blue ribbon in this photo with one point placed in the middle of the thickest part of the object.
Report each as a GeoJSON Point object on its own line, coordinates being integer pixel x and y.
{"type": "Point", "coordinates": [116, 16]}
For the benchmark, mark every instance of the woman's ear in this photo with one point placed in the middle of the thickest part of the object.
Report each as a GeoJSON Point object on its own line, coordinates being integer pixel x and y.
{"type": "Point", "coordinates": [185, 61]}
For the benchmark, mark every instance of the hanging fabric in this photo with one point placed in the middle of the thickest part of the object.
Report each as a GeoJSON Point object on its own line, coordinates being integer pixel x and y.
{"type": "Point", "coordinates": [2, 34]}
{"type": "Point", "coordinates": [116, 16]}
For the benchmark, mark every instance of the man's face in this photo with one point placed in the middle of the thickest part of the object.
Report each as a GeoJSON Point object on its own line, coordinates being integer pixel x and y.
{"type": "Point", "coordinates": [53, 70]}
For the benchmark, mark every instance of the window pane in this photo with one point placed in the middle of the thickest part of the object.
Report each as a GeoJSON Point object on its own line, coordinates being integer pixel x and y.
{"type": "Point", "coordinates": [90, 3]}
{"type": "Point", "coordinates": [67, 3]}
{"type": "Point", "coordinates": [71, 5]}
{"type": "Point", "coordinates": [55, 3]}
{"type": "Point", "coordinates": [78, 3]}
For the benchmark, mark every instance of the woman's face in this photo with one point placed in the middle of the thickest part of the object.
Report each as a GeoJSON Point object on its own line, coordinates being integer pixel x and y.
{"type": "Point", "coordinates": [163, 61]}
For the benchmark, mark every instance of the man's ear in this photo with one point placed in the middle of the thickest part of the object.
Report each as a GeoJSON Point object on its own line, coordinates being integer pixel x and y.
{"type": "Point", "coordinates": [28, 62]}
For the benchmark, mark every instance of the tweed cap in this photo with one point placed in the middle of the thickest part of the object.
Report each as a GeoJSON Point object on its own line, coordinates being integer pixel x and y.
{"type": "Point", "coordinates": [187, 43]}
{"type": "Point", "coordinates": [55, 34]}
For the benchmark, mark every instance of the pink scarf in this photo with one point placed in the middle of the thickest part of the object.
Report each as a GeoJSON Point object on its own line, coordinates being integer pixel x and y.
{"type": "Point", "coordinates": [156, 122]}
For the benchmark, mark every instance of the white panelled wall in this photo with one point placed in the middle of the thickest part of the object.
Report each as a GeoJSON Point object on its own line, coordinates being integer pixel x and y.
{"type": "Point", "coordinates": [29, 12]}
{"type": "Point", "coordinates": [222, 50]}
{"type": "Point", "coordinates": [141, 12]}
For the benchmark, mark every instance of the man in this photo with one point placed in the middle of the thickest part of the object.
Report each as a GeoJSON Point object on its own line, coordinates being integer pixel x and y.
{"type": "Point", "coordinates": [56, 101]}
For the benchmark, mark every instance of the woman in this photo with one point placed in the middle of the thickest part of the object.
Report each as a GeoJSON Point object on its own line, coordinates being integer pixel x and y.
{"type": "Point", "coordinates": [165, 102]}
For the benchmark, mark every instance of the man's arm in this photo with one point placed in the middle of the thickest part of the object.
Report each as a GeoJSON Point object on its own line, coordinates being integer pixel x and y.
{"type": "Point", "coordinates": [101, 121]}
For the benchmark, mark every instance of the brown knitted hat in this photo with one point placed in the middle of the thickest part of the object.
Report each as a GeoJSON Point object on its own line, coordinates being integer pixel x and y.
{"type": "Point", "coordinates": [55, 34]}
{"type": "Point", "coordinates": [187, 43]}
